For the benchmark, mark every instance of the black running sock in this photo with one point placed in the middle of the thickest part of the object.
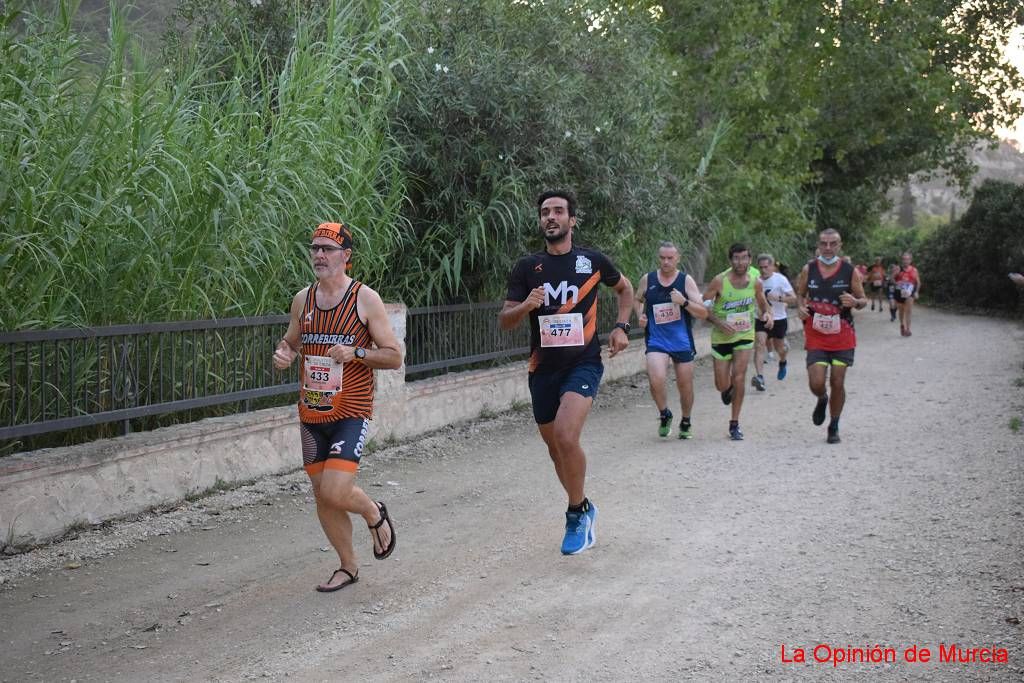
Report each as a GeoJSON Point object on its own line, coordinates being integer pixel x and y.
{"type": "Point", "coordinates": [665, 413]}
{"type": "Point", "coordinates": [734, 423]}
{"type": "Point", "coordinates": [582, 507]}
{"type": "Point", "coordinates": [782, 363]}
{"type": "Point", "coordinates": [684, 423]}
{"type": "Point", "coordinates": [833, 424]}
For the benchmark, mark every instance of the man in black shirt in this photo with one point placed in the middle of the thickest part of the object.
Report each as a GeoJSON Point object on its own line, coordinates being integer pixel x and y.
{"type": "Point", "coordinates": [556, 289]}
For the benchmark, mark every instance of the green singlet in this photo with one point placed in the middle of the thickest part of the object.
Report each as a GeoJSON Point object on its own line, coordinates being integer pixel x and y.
{"type": "Point", "coordinates": [735, 307]}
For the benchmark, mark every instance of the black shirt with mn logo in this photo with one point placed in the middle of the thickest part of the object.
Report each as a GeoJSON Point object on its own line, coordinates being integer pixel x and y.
{"type": "Point", "coordinates": [570, 286]}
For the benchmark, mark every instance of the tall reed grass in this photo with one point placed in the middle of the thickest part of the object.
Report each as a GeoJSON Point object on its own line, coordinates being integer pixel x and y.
{"type": "Point", "coordinates": [130, 192]}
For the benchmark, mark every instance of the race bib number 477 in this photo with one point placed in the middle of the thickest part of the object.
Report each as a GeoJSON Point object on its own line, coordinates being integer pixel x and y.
{"type": "Point", "coordinates": [565, 329]}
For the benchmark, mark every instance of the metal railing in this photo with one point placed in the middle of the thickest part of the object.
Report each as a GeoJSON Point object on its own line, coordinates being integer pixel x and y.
{"type": "Point", "coordinates": [442, 338]}
{"type": "Point", "coordinates": [57, 380]}
{"type": "Point", "coordinates": [446, 337]}
{"type": "Point", "coordinates": [54, 380]}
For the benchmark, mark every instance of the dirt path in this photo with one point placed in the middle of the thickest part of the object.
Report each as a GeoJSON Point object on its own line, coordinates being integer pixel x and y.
{"type": "Point", "coordinates": [710, 555]}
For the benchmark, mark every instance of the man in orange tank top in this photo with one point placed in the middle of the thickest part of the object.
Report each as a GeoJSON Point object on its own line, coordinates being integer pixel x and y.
{"type": "Point", "coordinates": [341, 333]}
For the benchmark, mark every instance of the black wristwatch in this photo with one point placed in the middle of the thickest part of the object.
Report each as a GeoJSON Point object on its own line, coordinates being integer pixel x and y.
{"type": "Point", "coordinates": [360, 353]}
{"type": "Point", "coordinates": [624, 327]}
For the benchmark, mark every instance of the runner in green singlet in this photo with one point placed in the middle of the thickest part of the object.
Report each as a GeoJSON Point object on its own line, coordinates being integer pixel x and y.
{"type": "Point", "coordinates": [734, 297]}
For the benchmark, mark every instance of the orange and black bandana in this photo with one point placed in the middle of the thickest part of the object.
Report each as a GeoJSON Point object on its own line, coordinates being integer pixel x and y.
{"type": "Point", "coordinates": [338, 232]}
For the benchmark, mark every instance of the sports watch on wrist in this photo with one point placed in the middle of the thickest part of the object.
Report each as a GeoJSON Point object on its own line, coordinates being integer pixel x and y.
{"type": "Point", "coordinates": [360, 353]}
{"type": "Point", "coordinates": [625, 327]}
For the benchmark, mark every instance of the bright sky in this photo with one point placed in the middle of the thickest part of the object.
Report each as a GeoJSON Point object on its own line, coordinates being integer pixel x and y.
{"type": "Point", "coordinates": [1015, 53]}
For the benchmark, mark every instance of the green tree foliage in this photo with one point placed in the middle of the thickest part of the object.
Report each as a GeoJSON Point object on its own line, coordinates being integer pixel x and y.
{"type": "Point", "coordinates": [743, 91]}
{"type": "Point", "coordinates": [502, 100]}
{"type": "Point", "coordinates": [967, 261]}
{"type": "Point", "coordinates": [431, 126]}
{"type": "Point", "coordinates": [904, 87]}
{"type": "Point", "coordinates": [829, 104]}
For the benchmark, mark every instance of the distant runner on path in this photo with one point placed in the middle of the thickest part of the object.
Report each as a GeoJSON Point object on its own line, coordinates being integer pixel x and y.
{"type": "Point", "coordinates": [667, 300]}
{"type": "Point", "coordinates": [556, 290]}
{"type": "Point", "coordinates": [734, 299]}
{"type": "Point", "coordinates": [890, 291]}
{"type": "Point", "coordinates": [876, 284]}
{"type": "Point", "coordinates": [340, 331]}
{"type": "Point", "coordinates": [779, 293]}
{"type": "Point", "coordinates": [908, 288]}
{"type": "Point", "coordinates": [827, 290]}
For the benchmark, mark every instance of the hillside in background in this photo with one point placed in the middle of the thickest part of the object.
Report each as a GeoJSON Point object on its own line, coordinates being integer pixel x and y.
{"type": "Point", "coordinates": [935, 197]}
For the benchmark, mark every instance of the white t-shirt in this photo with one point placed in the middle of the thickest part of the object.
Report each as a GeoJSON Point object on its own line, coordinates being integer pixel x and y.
{"type": "Point", "coordinates": [775, 286]}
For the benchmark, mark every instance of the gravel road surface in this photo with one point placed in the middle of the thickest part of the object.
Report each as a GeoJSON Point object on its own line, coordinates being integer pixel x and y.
{"type": "Point", "coordinates": [711, 556]}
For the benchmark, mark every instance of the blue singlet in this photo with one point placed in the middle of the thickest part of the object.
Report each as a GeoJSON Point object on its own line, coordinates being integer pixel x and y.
{"type": "Point", "coordinates": [669, 337]}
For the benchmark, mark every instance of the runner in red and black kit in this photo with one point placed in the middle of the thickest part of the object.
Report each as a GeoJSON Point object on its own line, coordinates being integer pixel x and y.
{"type": "Point", "coordinates": [556, 289]}
{"type": "Point", "coordinates": [827, 290]}
{"type": "Point", "coordinates": [908, 287]}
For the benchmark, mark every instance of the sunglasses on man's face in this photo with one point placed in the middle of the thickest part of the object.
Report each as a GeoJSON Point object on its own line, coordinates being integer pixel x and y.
{"type": "Point", "coordinates": [326, 248]}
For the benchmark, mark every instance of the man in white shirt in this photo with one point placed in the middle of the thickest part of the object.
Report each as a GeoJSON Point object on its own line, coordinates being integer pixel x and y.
{"type": "Point", "coordinates": [780, 294]}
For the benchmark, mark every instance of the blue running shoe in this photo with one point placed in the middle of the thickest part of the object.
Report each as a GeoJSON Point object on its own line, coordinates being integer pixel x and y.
{"type": "Point", "coordinates": [576, 533]}
{"type": "Point", "coordinates": [591, 514]}
{"type": "Point", "coordinates": [782, 372]}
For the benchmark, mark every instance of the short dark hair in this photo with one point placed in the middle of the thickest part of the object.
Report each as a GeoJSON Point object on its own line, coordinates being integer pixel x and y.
{"type": "Point", "coordinates": [564, 194]}
{"type": "Point", "coordinates": [738, 248]}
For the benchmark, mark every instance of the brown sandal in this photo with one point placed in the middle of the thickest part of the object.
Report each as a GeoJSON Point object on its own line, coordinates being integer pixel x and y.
{"type": "Point", "coordinates": [375, 530]}
{"type": "Point", "coordinates": [352, 578]}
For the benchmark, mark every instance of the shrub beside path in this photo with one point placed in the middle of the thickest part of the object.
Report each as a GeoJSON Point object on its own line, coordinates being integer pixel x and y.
{"type": "Point", "coordinates": [710, 556]}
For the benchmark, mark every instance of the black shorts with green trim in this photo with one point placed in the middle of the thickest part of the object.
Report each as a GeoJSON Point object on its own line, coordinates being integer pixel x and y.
{"type": "Point", "coordinates": [725, 351]}
{"type": "Point", "coordinates": [841, 358]}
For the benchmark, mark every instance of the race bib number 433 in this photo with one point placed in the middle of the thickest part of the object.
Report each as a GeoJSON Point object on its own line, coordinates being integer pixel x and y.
{"type": "Point", "coordinates": [321, 373]}
{"type": "Point", "coordinates": [565, 329]}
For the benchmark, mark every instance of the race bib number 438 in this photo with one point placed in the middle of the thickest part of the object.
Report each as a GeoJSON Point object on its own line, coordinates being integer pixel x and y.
{"type": "Point", "coordinates": [321, 373]}
{"type": "Point", "coordinates": [665, 313]}
{"type": "Point", "coordinates": [565, 329]}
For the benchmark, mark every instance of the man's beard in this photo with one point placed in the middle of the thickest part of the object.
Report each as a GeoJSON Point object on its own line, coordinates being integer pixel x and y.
{"type": "Point", "coordinates": [556, 237]}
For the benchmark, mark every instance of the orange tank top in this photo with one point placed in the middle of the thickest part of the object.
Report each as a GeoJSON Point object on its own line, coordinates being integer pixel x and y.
{"type": "Point", "coordinates": [330, 392]}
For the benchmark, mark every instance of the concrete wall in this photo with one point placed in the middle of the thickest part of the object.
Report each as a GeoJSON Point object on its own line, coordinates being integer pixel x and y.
{"type": "Point", "coordinates": [44, 493]}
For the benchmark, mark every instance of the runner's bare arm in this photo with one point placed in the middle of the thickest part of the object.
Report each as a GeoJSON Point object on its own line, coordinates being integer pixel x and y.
{"type": "Point", "coordinates": [788, 294]}
{"type": "Point", "coordinates": [764, 311]}
{"type": "Point", "coordinates": [801, 295]}
{"type": "Point", "coordinates": [513, 312]}
{"type": "Point", "coordinates": [638, 301]}
{"type": "Point", "coordinates": [710, 294]}
{"type": "Point", "coordinates": [388, 352]}
{"type": "Point", "coordinates": [856, 299]}
{"type": "Point", "coordinates": [618, 340]}
{"type": "Point", "coordinates": [288, 348]}
{"type": "Point", "coordinates": [695, 307]}
{"type": "Point", "coordinates": [917, 288]}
